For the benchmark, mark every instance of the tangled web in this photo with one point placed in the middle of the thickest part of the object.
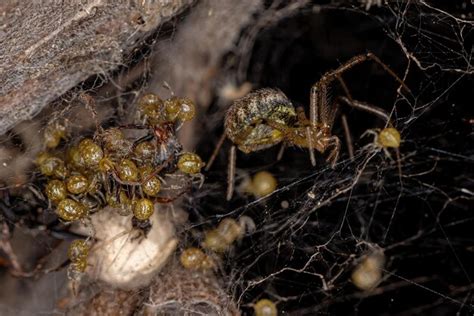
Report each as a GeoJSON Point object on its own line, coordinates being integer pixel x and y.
{"type": "Point", "coordinates": [408, 210]}
{"type": "Point", "coordinates": [321, 223]}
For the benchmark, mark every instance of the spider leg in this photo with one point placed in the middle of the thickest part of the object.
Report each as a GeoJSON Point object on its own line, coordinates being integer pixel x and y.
{"type": "Point", "coordinates": [345, 124]}
{"type": "Point", "coordinates": [319, 106]}
{"type": "Point", "coordinates": [334, 154]}
{"type": "Point", "coordinates": [141, 140]}
{"type": "Point", "coordinates": [215, 152]}
{"type": "Point", "coordinates": [373, 132]}
{"type": "Point", "coordinates": [322, 114]}
{"type": "Point", "coordinates": [64, 234]}
{"type": "Point", "coordinates": [310, 146]}
{"type": "Point", "coordinates": [344, 87]}
{"type": "Point", "coordinates": [165, 200]}
{"type": "Point", "coordinates": [231, 173]}
{"type": "Point", "coordinates": [304, 122]}
{"type": "Point", "coordinates": [347, 136]}
{"type": "Point", "coordinates": [367, 108]}
{"type": "Point", "coordinates": [320, 111]}
{"type": "Point", "coordinates": [348, 100]}
{"type": "Point", "coordinates": [358, 60]}
{"type": "Point", "coordinates": [387, 153]}
{"type": "Point", "coordinates": [133, 126]}
{"type": "Point", "coordinates": [281, 151]}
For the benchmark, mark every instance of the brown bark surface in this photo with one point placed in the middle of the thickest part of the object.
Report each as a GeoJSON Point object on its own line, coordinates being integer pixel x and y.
{"type": "Point", "coordinates": [48, 47]}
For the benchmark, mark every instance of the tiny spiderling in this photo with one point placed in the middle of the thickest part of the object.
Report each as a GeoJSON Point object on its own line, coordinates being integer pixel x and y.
{"type": "Point", "coordinates": [78, 252]}
{"type": "Point", "coordinates": [226, 233]}
{"type": "Point", "coordinates": [56, 191]}
{"type": "Point", "coordinates": [263, 183]}
{"type": "Point", "coordinates": [368, 273]}
{"type": "Point", "coordinates": [143, 209]}
{"type": "Point", "coordinates": [127, 170]}
{"type": "Point", "coordinates": [180, 109]}
{"type": "Point", "coordinates": [195, 259]}
{"type": "Point", "coordinates": [151, 185]}
{"type": "Point", "coordinates": [90, 152]}
{"type": "Point", "coordinates": [265, 307]}
{"type": "Point", "coordinates": [190, 163]}
{"type": "Point", "coordinates": [70, 210]}
{"type": "Point", "coordinates": [77, 184]}
{"type": "Point", "coordinates": [389, 138]}
{"type": "Point", "coordinates": [53, 134]}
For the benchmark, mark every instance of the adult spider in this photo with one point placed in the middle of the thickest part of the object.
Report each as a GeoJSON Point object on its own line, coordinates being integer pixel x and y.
{"type": "Point", "coordinates": [267, 117]}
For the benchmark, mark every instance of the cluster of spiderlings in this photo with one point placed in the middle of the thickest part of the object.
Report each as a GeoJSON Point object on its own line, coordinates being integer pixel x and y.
{"type": "Point", "coordinates": [77, 254]}
{"type": "Point", "coordinates": [128, 167]}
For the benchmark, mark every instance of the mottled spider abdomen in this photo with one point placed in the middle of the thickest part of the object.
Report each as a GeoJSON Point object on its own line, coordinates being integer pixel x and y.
{"type": "Point", "coordinates": [249, 121]}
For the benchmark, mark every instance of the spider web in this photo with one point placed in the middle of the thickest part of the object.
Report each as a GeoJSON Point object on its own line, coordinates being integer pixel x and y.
{"type": "Point", "coordinates": [320, 223]}
{"type": "Point", "coordinates": [315, 228]}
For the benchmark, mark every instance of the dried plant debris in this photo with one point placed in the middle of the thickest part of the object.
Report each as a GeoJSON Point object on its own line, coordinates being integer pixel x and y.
{"type": "Point", "coordinates": [102, 301]}
{"type": "Point", "coordinates": [48, 47]}
{"type": "Point", "coordinates": [174, 291]}
{"type": "Point", "coordinates": [179, 291]}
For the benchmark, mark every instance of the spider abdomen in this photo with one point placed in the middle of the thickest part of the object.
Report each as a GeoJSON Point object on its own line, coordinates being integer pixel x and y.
{"type": "Point", "coordinates": [250, 121]}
